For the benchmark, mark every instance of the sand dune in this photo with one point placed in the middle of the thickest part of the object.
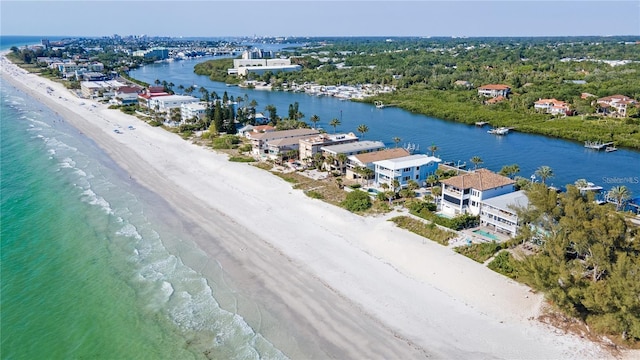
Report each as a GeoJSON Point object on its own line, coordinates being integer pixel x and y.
{"type": "Point", "coordinates": [340, 285]}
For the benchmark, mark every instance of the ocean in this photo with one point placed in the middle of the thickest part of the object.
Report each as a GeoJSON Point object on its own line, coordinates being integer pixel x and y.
{"type": "Point", "coordinates": [92, 263]}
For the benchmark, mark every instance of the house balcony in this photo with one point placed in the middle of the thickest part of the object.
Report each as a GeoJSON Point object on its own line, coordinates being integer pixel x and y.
{"type": "Point", "coordinates": [389, 173]}
{"type": "Point", "coordinates": [499, 214]}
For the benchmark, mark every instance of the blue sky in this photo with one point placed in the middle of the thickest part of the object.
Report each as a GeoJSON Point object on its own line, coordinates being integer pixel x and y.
{"type": "Point", "coordinates": [320, 18]}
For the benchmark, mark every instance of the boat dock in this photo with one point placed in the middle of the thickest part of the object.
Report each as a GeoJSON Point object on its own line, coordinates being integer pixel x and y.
{"type": "Point", "coordinates": [597, 145]}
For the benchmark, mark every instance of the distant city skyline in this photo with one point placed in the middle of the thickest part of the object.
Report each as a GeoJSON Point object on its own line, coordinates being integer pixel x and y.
{"type": "Point", "coordinates": [471, 18]}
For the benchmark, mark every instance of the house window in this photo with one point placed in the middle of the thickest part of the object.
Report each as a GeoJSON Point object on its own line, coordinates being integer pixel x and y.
{"type": "Point", "coordinates": [407, 170]}
{"type": "Point", "coordinates": [417, 177]}
{"type": "Point", "coordinates": [417, 168]}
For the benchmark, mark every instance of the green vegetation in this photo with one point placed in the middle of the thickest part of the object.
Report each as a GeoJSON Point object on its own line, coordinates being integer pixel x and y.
{"type": "Point", "coordinates": [286, 177]}
{"type": "Point", "coordinates": [241, 159]}
{"type": "Point", "coordinates": [504, 264]}
{"type": "Point", "coordinates": [216, 70]}
{"type": "Point", "coordinates": [479, 252]}
{"type": "Point", "coordinates": [357, 201]}
{"type": "Point", "coordinates": [429, 231]}
{"type": "Point", "coordinates": [425, 209]}
{"type": "Point", "coordinates": [225, 142]}
{"type": "Point", "coordinates": [314, 194]}
{"type": "Point", "coordinates": [588, 265]}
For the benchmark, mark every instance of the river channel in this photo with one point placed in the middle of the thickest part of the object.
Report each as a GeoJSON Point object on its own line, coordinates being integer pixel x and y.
{"type": "Point", "coordinates": [456, 142]}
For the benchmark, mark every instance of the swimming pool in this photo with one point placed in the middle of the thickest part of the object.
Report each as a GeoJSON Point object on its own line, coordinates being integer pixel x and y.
{"type": "Point", "coordinates": [486, 234]}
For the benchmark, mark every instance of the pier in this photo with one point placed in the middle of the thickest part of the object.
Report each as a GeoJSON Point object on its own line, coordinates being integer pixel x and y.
{"type": "Point", "coordinates": [597, 145]}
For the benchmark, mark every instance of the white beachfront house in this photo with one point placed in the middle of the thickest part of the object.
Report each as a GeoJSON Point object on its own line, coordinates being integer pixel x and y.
{"type": "Point", "coordinates": [358, 147]}
{"type": "Point", "coordinates": [192, 111]}
{"type": "Point", "coordinates": [94, 89]}
{"type": "Point", "coordinates": [499, 212]}
{"type": "Point", "coordinates": [464, 193]}
{"type": "Point", "coordinates": [167, 102]}
{"type": "Point", "coordinates": [260, 140]}
{"type": "Point", "coordinates": [366, 160]}
{"type": "Point", "coordinates": [413, 167]}
{"type": "Point", "coordinates": [311, 145]}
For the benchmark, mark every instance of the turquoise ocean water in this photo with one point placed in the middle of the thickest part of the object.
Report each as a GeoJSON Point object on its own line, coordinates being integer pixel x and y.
{"type": "Point", "coordinates": [91, 263]}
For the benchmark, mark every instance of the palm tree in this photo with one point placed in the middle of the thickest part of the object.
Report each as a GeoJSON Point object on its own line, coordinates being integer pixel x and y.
{"type": "Point", "coordinates": [363, 129]}
{"type": "Point", "coordinates": [335, 123]}
{"type": "Point", "coordinates": [412, 185]}
{"type": "Point", "coordinates": [433, 148]}
{"type": "Point", "coordinates": [436, 191]}
{"type": "Point", "coordinates": [342, 159]}
{"type": "Point", "coordinates": [329, 160]}
{"type": "Point", "coordinates": [432, 179]}
{"type": "Point", "coordinates": [544, 172]}
{"type": "Point", "coordinates": [395, 184]}
{"type": "Point", "coordinates": [367, 174]}
{"type": "Point", "coordinates": [620, 194]}
{"type": "Point", "coordinates": [318, 159]}
{"type": "Point", "coordinates": [314, 119]}
{"type": "Point", "coordinates": [476, 160]}
{"type": "Point", "coordinates": [397, 140]}
{"type": "Point", "coordinates": [509, 170]}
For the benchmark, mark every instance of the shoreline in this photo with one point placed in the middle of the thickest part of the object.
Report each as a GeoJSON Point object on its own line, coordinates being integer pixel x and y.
{"type": "Point", "coordinates": [346, 286]}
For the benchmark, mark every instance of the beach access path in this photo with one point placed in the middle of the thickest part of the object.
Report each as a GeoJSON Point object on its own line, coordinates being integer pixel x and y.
{"type": "Point", "coordinates": [341, 285]}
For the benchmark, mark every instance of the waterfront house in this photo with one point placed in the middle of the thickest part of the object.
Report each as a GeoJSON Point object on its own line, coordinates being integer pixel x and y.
{"type": "Point", "coordinates": [95, 89]}
{"type": "Point", "coordinates": [166, 102]}
{"type": "Point", "coordinates": [615, 104]}
{"type": "Point", "coordinates": [413, 167]}
{"type": "Point", "coordinates": [260, 119]}
{"type": "Point", "coordinates": [126, 95]}
{"type": "Point", "coordinates": [281, 148]}
{"type": "Point", "coordinates": [494, 90]}
{"type": "Point", "coordinates": [144, 99]}
{"type": "Point", "coordinates": [358, 147]}
{"type": "Point", "coordinates": [464, 193]}
{"type": "Point", "coordinates": [366, 160]}
{"type": "Point", "coordinates": [309, 146]}
{"type": "Point", "coordinates": [551, 106]}
{"type": "Point", "coordinates": [499, 212]}
{"type": "Point", "coordinates": [260, 140]}
{"type": "Point", "coordinates": [192, 112]}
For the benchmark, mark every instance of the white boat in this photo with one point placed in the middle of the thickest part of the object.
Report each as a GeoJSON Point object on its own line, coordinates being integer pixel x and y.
{"type": "Point", "coordinates": [610, 148]}
{"type": "Point", "coordinates": [499, 131]}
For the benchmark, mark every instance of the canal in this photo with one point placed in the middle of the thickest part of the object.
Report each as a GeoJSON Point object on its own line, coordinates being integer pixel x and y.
{"type": "Point", "coordinates": [455, 142]}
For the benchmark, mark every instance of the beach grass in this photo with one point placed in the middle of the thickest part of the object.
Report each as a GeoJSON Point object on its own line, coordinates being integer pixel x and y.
{"type": "Point", "coordinates": [427, 230]}
{"type": "Point", "coordinates": [479, 252]}
{"type": "Point", "coordinates": [505, 264]}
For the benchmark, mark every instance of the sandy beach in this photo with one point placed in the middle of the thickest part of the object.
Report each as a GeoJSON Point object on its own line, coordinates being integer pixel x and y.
{"type": "Point", "coordinates": [341, 285]}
